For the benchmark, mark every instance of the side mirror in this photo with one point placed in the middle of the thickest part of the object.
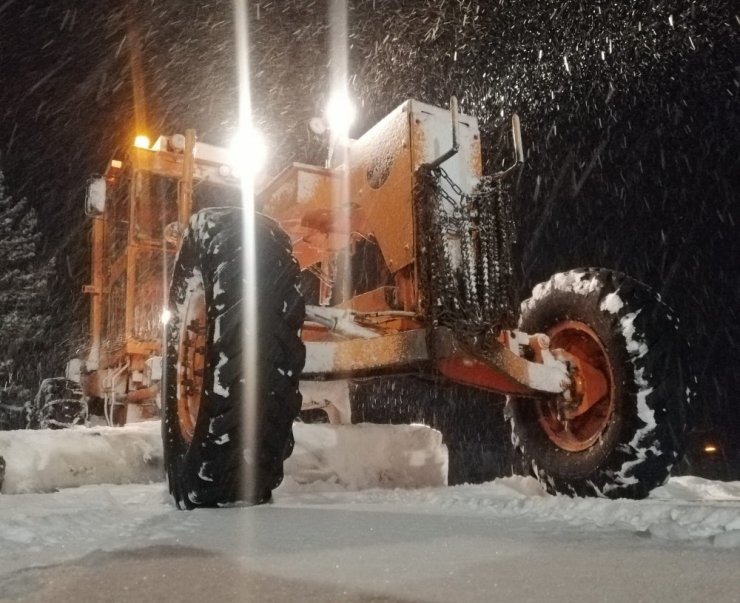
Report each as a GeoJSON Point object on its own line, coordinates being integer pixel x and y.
{"type": "Point", "coordinates": [95, 197]}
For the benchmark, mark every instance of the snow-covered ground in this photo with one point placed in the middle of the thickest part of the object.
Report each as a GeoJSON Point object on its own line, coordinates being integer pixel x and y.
{"type": "Point", "coordinates": [340, 529]}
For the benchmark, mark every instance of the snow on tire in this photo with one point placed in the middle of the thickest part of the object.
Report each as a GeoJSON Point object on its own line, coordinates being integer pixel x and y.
{"type": "Point", "coordinates": [205, 451]}
{"type": "Point", "coordinates": [626, 443]}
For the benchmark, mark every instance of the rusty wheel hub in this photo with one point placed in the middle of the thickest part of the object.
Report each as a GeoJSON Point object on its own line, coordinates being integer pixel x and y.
{"type": "Point", "coordinates": [575, 423]}
{"type": "Point", "coordinates": [191, 361]}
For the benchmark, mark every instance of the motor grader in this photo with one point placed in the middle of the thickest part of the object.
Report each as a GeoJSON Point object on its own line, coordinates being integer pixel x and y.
{"type": "Point", "coordinates": [393, 259]}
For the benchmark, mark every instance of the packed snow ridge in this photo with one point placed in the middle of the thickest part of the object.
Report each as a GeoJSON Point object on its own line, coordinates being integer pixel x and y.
{"type": "Point", "coordinates": [383, 467]}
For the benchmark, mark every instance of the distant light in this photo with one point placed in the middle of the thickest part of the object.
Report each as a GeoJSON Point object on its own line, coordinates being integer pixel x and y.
{"type": "Point", "coordinates": [247, 152]}
{"type": "Point", "coordinates": [166, 316]}
{"type": "Point", "coordinates": [141, 142]}
{"type": "Point", "coordinates": [340, 113]}
{"type": "Point", "coordinates": [116, 164]}
{"type": "Point", "coordinates": [710, 449]}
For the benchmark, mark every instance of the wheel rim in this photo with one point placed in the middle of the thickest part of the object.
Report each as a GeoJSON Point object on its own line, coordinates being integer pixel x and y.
{"type": "Point", "coordinates": [579, 432]}
{"type": "Point", "coordinates": [191, 360]}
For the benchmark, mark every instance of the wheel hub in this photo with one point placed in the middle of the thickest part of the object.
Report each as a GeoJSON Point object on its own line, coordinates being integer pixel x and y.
{"type": "Point", "coordinates": [191, 361]}
{"type": "Point", "coordinates": [574, 422]}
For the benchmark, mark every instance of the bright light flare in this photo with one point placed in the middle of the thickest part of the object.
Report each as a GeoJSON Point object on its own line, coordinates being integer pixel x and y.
{"type": "Point", "coordinates": [247, 152]}
{"type": "Point", "coordinates": [141, 142]}
{"type": "Point", "coordinates": [166, 316]}
{"type": "Point", "coordinates": [340, 113]}
{"type": "Point", "coordinates": [710, 449]}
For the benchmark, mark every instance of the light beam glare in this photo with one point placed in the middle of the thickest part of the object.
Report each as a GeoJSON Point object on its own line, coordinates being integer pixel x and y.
{"type": "Point", "coordinates": [340, 114]}
{"type": "Point", "coordinates": [247, 151]}
{"type": "Point", "coordinates": [249, 427]}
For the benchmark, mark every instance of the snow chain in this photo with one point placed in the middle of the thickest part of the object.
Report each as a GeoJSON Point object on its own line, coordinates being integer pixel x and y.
{"type": "Point", "coordinates": [477, 297]}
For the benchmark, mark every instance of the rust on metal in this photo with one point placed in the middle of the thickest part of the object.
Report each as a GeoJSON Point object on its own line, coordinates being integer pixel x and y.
{"type": "Point", "coordinates": [494, 366]}
{"type": "Point", "coordinates": [406, 286]}
{"type": "Point", "coordinates": [325, 211]}
{"type": "Point", "coordinates": [381, 182]}
{"type": "Point", "coordinates": [497, 368]}
{"type": "Point", "coordinates": [96, 288]}
{"type": "Point", "coordinates": [143, 394]}
{"type": "Point", "coordinates": [138, 196]}
{"type": "Point", "coordinates": [361, 355]}
{"type": "Point", "coordinates": [141, 348]}
{"type": "Point", "coordinates": [576, 423]}
{"type": "Point", "coordinates": [372, 301]}
{"type": "Point", "coordinates": [298, 191]}
{"type": "Point", "coordinates": [307, 201]}
{"type": "Point", "coordinates": [191, 363]}
{"type": "Point", "coordinates": [463, 368]}
{"type": "Point", "coordinates": [185, 184]}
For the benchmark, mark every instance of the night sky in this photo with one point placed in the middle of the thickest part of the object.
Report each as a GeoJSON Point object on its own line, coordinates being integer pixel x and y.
{"type": "Point", "coordinates": [630, 113]}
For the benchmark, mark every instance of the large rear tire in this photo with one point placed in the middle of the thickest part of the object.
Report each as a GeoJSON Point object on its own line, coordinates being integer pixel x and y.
{"type": "Point", "coordinates": [627, 442]}
{"type": "Point", "coordinates": [204, 441]}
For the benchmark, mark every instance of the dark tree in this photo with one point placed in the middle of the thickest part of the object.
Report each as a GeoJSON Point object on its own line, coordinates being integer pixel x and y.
{"type": "Point", "coordinates": [24, 301]}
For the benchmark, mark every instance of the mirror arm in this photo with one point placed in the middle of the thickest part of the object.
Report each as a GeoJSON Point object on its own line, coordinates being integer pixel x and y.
{"type": "Point", "coordinates": [516, 134]}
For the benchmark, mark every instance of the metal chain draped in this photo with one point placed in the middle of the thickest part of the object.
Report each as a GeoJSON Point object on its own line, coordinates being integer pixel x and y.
{"type": "Point", "coordinates": [473, 295]}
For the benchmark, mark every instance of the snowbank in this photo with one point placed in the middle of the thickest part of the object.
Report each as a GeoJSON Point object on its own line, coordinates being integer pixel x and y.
{"type": "Point", "coordinates": [358, 457]}
{"type": "Point", "coordinates": [346, 457]}
{"type": "Point", "coordinates": [340, 467]}
{"type": "Point", "coordinates": [47, 460]}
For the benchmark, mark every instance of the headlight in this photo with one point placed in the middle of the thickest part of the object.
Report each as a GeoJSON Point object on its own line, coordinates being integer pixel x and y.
{"type": "Point", "coordinates": [340, 113]}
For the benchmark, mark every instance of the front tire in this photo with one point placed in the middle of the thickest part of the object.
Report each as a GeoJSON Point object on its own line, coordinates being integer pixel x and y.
{"type": "Point", "coordinates": [627, 442]}
{"type": "Point", "coordinates": [204, 440]}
